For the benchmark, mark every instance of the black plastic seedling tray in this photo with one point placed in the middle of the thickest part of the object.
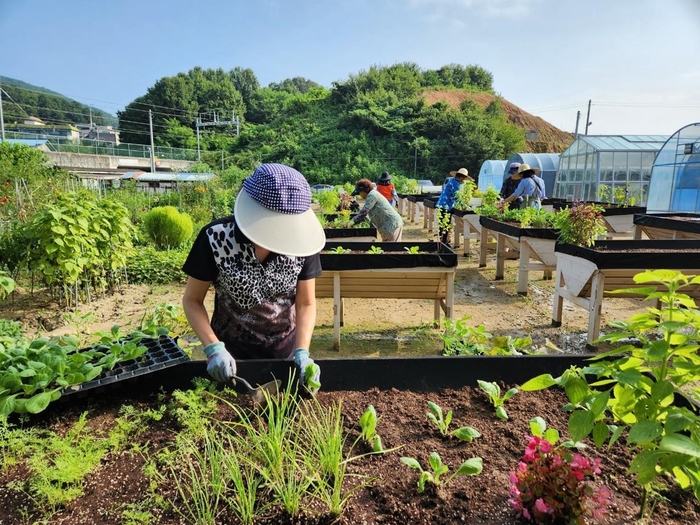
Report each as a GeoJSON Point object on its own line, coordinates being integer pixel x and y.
{"type": "Point", "coordinates": [162, 353]}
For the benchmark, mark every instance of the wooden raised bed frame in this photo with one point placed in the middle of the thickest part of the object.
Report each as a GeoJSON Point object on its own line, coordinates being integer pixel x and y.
{"type": "Point", "coordinates": [585, 283]}
{"type": "Point", "coordinates": [421, 282]}
{"type": "Point", "coordinates": [667, 226]}
{"type": "Point", "coordinates": [535, 247]}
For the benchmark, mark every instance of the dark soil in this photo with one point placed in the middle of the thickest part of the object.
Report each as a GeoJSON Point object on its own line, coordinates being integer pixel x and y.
{"type": "Point", "coordinates": [119, 483]}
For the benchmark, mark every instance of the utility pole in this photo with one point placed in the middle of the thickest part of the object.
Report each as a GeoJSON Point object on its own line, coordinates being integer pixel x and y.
{"type": "Point", "coordinates": [415, 160]}
{"type": "Point", "coordinates": [2, 119]}
{"type": "Point", "coordinates": [216, 122]}
{"type": "Point", "coordinates": [578, 118]}
{"type": "Point", "coordinates": [588, 117]}
{"type": "Point", "coordinates": [222, 160]}
{"type": "Point", "coordinates": [153, 148]}
{"type": "Point", "coordinates": [199, 158]}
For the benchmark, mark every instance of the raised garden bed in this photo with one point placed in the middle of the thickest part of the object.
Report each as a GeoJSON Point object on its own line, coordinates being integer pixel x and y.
{"type": "Point", "coordinates": [351, 234]}
{"type": "Point", "coordinates": [119, 487]}
{"type": "Point", "coordinates": [667, 226]}
{"type": "Point", "coordinates": [467, 227]}
{"type": "Point", "coordinates": [398, 275]}
{"type": "Point", "coordinates": [619, 220]}
{"type": "Point", "coordinates": [534, 248]}
{"type": "Point", "coordinates": [585, 275]}
{"type": "Point", "coordinates": [416, 207]}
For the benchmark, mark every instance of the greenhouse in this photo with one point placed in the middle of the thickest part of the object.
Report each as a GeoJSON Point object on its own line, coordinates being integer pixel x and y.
{"type": "Point", "coordinates": [675, 175]}
{"type": "Point", "coordinates": [613, 168]}
{"type": "Point", "coordinates": [546, 162]}
{"type": "Point", "coordinates": [491, 173]}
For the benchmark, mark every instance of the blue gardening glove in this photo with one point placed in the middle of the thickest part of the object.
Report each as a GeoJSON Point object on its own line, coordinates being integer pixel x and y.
{"type": "Point", "coordinates": [308, 372]}
{"type": "Point", "coordinates": [220, 364]}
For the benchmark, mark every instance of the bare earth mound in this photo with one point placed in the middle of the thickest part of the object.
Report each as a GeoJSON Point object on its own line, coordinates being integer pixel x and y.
{"type": "Point", "coordinates": [550, 138]}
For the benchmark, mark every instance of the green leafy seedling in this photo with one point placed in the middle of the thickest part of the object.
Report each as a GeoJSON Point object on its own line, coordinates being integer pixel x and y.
{"type": "Point", "coordinates": [443, 424]}
{"type": "Point", "coordinates": [375, 250]}
{"type": "Point", "coordinates": [471, 467]}
{"type": "Point", "coordinates": [413, 250]}
{"type": "Point", "coordinates": [436, 417]}
{"type": "Point", "coordinates": [494, 392]}
{"type": "Point", "coordinates": [338, 249]}
{"type": "Point", "coordinates": [309, 372]}
{"type": "Point", "coordinates": [368, 424]}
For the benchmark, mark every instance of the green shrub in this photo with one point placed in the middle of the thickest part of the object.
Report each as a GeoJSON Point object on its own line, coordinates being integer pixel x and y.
{"type": "Point", "coordinates": [167, 227]}
{"type": "Point", "coordinates": [149, 266]}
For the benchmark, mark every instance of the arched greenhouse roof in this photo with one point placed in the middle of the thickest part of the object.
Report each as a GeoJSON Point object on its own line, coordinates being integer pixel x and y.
{"type": "Point", "coordinates": [675, 175]}
{"type": "Point", "coordinates": [491, 172]}
{"type": "Point", "coordinates": [622, 142]}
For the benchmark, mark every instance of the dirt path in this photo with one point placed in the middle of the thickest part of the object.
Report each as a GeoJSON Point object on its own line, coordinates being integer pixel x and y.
{"type": "Point", "coordinates": [372, 327]}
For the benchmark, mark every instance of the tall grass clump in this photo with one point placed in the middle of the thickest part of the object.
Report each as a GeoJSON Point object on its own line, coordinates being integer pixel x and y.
{"type": "Point", "coordinates": [167, 227]}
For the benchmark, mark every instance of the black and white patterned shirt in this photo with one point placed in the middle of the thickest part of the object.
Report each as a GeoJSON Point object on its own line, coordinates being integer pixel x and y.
{"type": "Point", "coordinates": [254, 307]}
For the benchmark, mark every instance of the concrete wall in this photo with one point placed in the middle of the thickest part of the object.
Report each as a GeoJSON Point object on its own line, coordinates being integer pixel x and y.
{"type": "Point", "coordinates": [109, 162]}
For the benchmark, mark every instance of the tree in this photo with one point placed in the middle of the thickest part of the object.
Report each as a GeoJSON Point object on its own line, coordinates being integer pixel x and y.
{"type": "Point", "coordinates": [245, 81]}
{"type": "Point", "coordinates": [294, 85]}
{"type": "Point", "coordinates": [182, 97]}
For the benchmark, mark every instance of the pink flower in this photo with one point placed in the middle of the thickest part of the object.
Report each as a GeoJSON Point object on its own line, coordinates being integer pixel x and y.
{"type": "Point", "coordinates": [526, 514]}
{"type": "Point", "coordinates": [545, 446]}
{"type": "Point", "coordinates": [515, 503]}
{"type": "Point", "coordinates": [596, 465]}
{"type": "Point", "coordinates": [522, 467]}
{"type": "Point", "coordinates": [513, 478]}
{"type": "Point", "coordinates": [541, 506]}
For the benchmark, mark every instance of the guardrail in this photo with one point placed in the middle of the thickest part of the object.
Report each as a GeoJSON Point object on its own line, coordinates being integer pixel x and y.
{"type": "Point", "coordinates": [99, 147]}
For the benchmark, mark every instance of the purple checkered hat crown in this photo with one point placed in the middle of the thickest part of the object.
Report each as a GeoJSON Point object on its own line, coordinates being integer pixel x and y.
{"type": "Point", "coordinates": [514, 166]}
{"type": "Point", "coordinates": [279, 188]}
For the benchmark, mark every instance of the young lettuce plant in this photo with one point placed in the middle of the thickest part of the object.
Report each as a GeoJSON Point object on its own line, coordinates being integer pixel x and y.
{"type": "Point", "coordinates": [636, 384]}
{"type": "Point", "coordinates": [494, 392]}
{"type": "Point", "coordinates": [375, 250]}
{"type": "Point", "coordinates": [471, 467]}
{"type": "Point", "coordinates": [368, 424]}
{"type": "Point", "coordinates": [443, 424]}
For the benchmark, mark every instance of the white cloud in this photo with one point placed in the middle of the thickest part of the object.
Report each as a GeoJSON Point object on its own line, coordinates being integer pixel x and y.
{"type": "Point", "coordinates": [489, 8]}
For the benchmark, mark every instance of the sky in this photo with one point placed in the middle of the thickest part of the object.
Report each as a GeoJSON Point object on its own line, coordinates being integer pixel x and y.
{"type": "Point", "coordinates": [635, 60]}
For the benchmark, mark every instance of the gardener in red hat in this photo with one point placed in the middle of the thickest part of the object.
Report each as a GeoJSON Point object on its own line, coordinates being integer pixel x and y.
{"type": "Point", "coordinates": [263, 261]}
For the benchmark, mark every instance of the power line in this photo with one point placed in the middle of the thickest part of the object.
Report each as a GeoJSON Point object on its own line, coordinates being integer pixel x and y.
{"type": "Point", "coordinates": [70, 97]}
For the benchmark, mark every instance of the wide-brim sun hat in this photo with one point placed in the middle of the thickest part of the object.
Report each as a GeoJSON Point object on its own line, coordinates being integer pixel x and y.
{"type": "Point", "coordinates": [385, 176]}
{"type": "Point", "coordinates": [461, 171]}
{"type": "Point", "coordinates": [526, 167]}
{"type": "Point", "coordinates": [273, 210]}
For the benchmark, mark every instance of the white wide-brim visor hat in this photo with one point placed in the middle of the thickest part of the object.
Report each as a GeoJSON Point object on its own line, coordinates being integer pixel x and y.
{"type": "Point", "coordinates": [273, 210]}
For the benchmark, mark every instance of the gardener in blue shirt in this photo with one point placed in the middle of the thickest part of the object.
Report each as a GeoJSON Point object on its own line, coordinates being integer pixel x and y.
{"type": "Point", "coordinates": [447, 200]}
{"type": "Point", "coordinates": [531, 188]}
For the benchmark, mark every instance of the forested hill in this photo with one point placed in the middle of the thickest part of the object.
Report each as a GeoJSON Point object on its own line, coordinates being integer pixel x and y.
{"type": "Point", "coordinates": [375, 120]}
{"type": "Point", "coordinates": [29, 100]}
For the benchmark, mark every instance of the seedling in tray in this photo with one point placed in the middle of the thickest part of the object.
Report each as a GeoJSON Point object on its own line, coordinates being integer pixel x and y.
{"type": "Point", "coordinates": [338, 249]}
{"type": "Point", "coordinates": [375, 249]}
{"type": "Point", "coordinates": [471, 467]}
